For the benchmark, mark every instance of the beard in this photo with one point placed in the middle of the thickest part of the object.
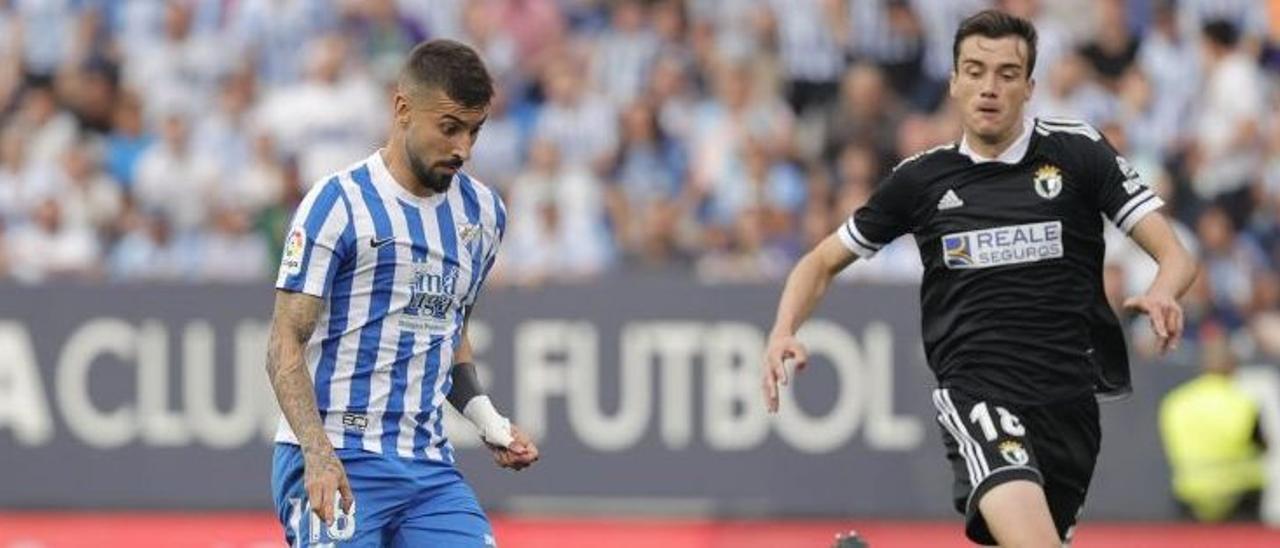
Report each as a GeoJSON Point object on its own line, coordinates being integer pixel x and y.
{"type": "Point", "coordinates": [436, 181]}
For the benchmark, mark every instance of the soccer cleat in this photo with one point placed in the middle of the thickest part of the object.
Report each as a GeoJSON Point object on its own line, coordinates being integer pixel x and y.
{"type": "Point", "coordinates": [850, 540]}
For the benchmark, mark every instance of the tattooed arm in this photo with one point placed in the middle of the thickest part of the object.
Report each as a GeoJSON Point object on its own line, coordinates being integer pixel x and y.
{"type": "Point", "coordinates": [292, 323]}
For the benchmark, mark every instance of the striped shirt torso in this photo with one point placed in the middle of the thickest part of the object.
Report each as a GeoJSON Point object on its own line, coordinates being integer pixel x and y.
{"type": "Point", "coordinates": [398, 274]}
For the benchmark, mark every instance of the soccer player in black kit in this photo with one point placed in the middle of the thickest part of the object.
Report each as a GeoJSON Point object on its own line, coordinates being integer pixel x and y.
{"type": "Point", "coordinates": [1008, 221]}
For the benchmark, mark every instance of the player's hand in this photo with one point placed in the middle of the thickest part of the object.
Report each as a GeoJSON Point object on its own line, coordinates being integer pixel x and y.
{"type": "Point", "coordinates": [325, 476]}
{"type": "Point", "coordinates": [521, 453]}
{"type": "Point", "coordinates": [783, 350]}
{"type": "Point", "coordinates": [1165, 315]}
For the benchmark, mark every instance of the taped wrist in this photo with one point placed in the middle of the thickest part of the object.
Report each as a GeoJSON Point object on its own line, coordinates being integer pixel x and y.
{"type": "Point", "coordinates": [468, 396]}
{"type": "Point", "coordinates": [494, 428]}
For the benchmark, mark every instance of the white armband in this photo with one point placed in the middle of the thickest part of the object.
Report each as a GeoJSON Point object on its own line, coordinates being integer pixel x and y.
{"type": "Point", "coordinates": [494, 428]}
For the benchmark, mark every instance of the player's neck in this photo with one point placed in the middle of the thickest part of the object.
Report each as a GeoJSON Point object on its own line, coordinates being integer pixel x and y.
{"type": "Point", "coordinates": [993, 149]}
{"type": "Point", "coordinates": [398, 165]}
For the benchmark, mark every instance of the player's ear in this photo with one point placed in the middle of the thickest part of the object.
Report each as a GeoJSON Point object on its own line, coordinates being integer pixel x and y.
{"type": "Point", "coordinates": [951, 84]}
{"type": "Point", "coordinates": [401, 109]}
{"type": "Point", "coordinates": [1031, 88]}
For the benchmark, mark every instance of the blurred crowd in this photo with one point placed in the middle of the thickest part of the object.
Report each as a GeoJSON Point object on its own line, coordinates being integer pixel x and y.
{"type": "Point", "coordinates": [170, 141]}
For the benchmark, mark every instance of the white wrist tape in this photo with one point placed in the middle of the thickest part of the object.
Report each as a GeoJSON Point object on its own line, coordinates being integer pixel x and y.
{"type": "Point", "coordinates": [494, 428]}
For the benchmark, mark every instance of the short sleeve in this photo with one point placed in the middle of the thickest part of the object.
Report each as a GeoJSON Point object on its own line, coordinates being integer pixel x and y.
{"type": "Point", "coordinates": [885, 216]}
{"type": "Point", "coordinates": [319, 240]}
{"type": "Point", "coordinates": [1118, 190]}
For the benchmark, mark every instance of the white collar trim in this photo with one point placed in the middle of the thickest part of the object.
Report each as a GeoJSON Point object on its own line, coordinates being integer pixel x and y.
{"type": "Point", "coordinates": [1011, 155]}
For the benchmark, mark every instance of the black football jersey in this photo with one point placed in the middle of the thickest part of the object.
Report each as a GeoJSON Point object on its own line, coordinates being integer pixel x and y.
{"type": "Point", "coordinates": [1012, 300]}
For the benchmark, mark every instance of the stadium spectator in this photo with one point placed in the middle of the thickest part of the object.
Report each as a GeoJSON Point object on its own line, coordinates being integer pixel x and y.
{"type": "Point", "coordinates": [381, 33]}
{"type": "Point", "coordinates": [172, 178]}
{"type": "Point", "coordinates": [48, 247]}
{"type": "Point", "coordinates": [557, 232]}
{"type": "Point", "coordinates": [47, 128]}
{"type": "Point", "coordinates": [1070, 92]}
{"type": "Point", "coordinates": [127, 141]}
{"type": "Point", "coordinates": [1227, 151]}
{"type": "Point", "coordinates": [645, 197]}
{"type": "Point", "coordinates": [580, 122]}
{"type": "Point", "coordinates": [480, 27]}
{"type": "Point", "coordinates": [231, 251]}
{"type": "Point", "coordinates": [1171, 60]}
{"type": "Point", "coordinates": [274, 35]}
{"type": "Point", "coordinates": [1114, 46]}
{"type": "Point", "coordinates": [1230, 261]}
{"type": "Point", "coordinates": [623, 52]}
{"type": "Point", "coordinates": [88, 196]}
{"type": "Point", "coordinates": [180, 69]}
{"type": "Point", "coordinates": [302, 120]}
{"type": "Point", "coordinates": [808, 43]}
{"type": "Point", "coordinates": [867, 112]}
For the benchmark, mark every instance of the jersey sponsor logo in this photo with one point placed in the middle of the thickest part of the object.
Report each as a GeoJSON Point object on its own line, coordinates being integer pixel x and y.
{"type": "Point", "coordinates": [1014, 453]}
{"type": "Point", "coordinates": [294, 246]}
{"type": "Point", "coordinates": [1004, 245]}
{"type": "Point", "coordinates": [1048, 181]}
{"type": "Point", "coordinates": [431, 297]}
{"type": "Point", "coordinates": [950, 201]}
{"type": "Point", "coordinates": [376, 242]}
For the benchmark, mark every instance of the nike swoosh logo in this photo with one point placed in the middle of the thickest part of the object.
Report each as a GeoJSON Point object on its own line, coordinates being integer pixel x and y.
{"type": "Point", "coordinates": [375, 242]}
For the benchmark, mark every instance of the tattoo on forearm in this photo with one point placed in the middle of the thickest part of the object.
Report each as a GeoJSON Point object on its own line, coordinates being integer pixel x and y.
{"type": "Point", "coordinates": [294, 319]}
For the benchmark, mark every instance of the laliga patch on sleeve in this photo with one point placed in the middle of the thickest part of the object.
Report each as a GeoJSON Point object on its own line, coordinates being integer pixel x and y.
{"type": "Point", "coordinates": [294, 246]}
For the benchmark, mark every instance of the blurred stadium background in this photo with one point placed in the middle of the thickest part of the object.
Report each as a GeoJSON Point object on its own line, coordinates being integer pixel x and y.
{"type": "Point", "coordinates": [664, 162]}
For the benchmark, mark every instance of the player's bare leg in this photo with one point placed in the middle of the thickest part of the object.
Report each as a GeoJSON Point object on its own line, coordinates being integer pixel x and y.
{"type": "Point", "coordinates": [1017, 514]}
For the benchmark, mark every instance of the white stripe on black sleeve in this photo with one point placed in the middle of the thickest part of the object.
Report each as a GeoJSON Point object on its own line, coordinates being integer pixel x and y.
{"type": "Point", "coordinates": [855, 241]}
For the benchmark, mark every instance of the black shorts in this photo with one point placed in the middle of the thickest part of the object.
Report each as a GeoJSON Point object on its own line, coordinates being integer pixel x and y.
{"type": "Point", "coordinates": [989, 443]}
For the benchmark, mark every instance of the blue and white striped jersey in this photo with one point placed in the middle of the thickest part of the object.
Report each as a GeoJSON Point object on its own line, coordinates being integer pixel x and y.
{"type": "Point", "coordinates": [398, 274]}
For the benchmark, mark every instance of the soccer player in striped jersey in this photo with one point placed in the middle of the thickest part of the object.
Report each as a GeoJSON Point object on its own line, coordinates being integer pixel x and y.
{"type": "Point", "coordinates": [1015, 324]}
{"type": "Point", "coordinates": [382, 266]}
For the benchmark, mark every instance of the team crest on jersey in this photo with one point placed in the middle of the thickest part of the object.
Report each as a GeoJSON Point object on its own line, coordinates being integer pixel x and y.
{"type": "Point", "coordinates": [1014, 453]}
{"type": "Point", "coordinates": [1048, 181]}
{"type": "Point", "coordinates": [472, 237]}
{"type": "Point", "coordinates": [468, 232]}
{"type": "Point", "coordinates": [294, 246]}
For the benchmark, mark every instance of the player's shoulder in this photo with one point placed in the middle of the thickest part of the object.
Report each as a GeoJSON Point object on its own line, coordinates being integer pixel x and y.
{"type": "Point", "coordinates": [921, 164]}
{"type": "Point", "coordinates": [341, 180]}
{"type": "Point", "coordinates": [1070, 141]}
{"type": "Point", "coordinates": [485, 197]}
{"type": "Point", "coordinates": [330, 191]}
{"type": "Point", "coordinates": [1068, 131]}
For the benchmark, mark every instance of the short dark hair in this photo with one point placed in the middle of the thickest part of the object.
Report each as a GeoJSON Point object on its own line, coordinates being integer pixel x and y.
{"type": "Point", "coordinates": [1221, 32]}
{"type": "Point", "coordinates": [450, 66]}
{"type": "Point", "coordinates": [996, 24]}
